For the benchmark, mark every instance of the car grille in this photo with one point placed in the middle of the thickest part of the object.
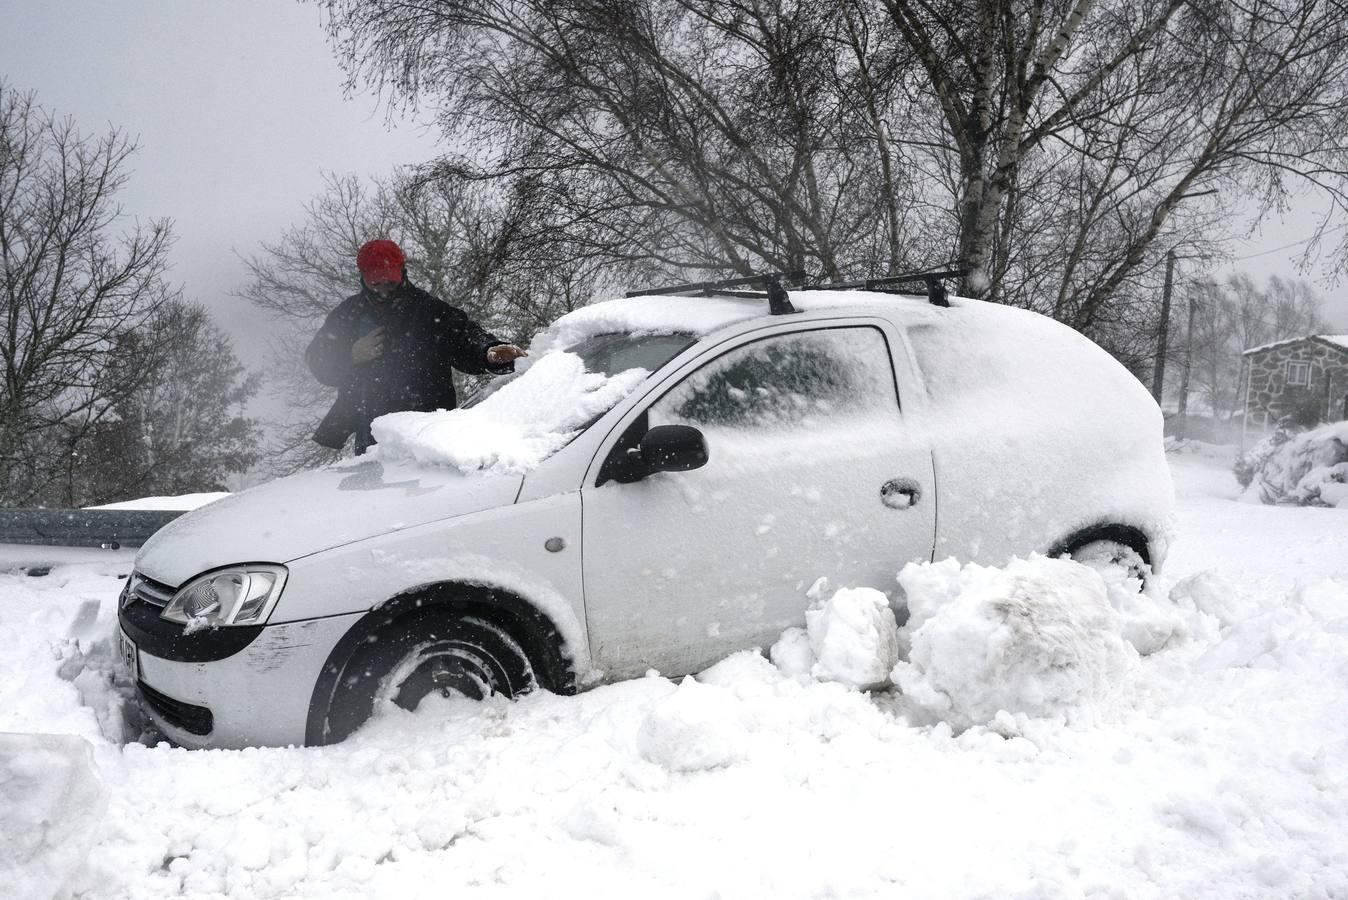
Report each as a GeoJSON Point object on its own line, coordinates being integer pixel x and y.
{"type": "Point", "coordinates": [146, 590]}
{"type": "Point", "coordinates": [190, 718]}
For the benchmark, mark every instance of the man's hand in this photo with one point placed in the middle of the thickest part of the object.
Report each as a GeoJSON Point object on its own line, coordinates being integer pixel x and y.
{"type": "Point", "coordinates": [504, 353]}
{"type": "Point", "coordinates": [369, 347]}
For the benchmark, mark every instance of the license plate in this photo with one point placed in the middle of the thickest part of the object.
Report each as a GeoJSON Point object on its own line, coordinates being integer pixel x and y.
{"type": "Point", "coordinates": [126, 649]}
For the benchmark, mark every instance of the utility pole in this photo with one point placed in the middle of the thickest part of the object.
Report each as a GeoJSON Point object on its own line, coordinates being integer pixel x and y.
{"type": "Point", "coordinates": [1183, 413]}
{"type": "Point", "coordinates": [1158, 373]}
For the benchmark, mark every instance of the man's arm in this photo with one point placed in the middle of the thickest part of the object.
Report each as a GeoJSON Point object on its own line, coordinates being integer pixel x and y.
{"type": "Point", "coordinates": [469, 344]}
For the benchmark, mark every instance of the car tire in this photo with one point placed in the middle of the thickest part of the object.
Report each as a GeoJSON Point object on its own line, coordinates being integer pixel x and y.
{"type": "Point", "coordinates": [464, 656]}
{"type": "Point", "coordinates": [1115, 561]}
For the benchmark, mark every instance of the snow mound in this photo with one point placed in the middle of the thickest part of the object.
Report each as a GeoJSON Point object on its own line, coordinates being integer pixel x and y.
{"type": "Point", "coordinates": [850, 637]}
{"type": "Point", "coordinates": [51, 803]}
{"type": "Point", "coordinates": [694, 729]}
{"type": "Point", "coordinates": [1038, 637]}
{"type": "Point", "coordinates": [1310, 468]}
{"type": "Point", "coordinates": [515, 428]}
{"type": "Point", "coordinates": [1149, 618]}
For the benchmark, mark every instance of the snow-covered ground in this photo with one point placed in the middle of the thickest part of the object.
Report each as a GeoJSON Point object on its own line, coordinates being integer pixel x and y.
{"type": "Point", "coordinates": [1216, 766]}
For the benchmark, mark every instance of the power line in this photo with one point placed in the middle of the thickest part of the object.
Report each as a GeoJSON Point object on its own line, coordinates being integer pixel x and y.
{"type": "Point", "coordinates": [1293, 244]}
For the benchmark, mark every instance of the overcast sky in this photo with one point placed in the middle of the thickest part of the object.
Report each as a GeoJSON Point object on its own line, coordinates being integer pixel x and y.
{"type": "Point", "coordinates": [238, 108]}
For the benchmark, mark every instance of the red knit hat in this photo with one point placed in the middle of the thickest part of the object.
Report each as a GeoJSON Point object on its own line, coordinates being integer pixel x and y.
{"type": "Point", "coordinates": [381, 261]}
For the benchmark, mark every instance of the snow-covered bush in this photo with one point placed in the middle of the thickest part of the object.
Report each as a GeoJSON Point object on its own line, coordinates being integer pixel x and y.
{"type": "Point", "coordinates": [1310, 468]}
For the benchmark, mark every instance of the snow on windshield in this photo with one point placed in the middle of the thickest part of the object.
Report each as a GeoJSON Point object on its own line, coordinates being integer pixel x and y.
{"type": "Point", "coordinates": [609, 348]}
{"type": "Point", "coordinates": [514, 429]}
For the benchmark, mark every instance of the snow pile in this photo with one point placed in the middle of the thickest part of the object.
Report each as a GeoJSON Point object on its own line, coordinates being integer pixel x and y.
{"type": "Point", "coordinates": [694, 729]}
{"type": "Point", "coordinates": [1226, 777]}
{"type": "Point", "coordinates": [850, 637]}
{"type": "Point", "coordinates": [51, 804]}
{"type": "Point", "coordinates": [1310, 468]}
{"type": "Point", "coordinates": [1149, 618]}
{"type": "Point", "coordinates": [514, 429]}
{"type": "Point", "coordinates": [1038, 637]}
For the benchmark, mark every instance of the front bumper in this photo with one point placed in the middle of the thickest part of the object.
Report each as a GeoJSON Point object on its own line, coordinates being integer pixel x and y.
{"type": "Point", "coordinates": [222, 688]}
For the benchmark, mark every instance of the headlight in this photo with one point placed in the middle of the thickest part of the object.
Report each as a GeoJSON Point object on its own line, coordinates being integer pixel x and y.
{"type": "Point", "coordinates": [239, 595]}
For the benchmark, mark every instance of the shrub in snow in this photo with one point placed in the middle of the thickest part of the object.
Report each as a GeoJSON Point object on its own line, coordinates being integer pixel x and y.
{"type": "Point", "coordinates": [1038, 637]}
{"type": "Point", "coordinates": [850, 637]}
{"type": "Point", "coordinates": [693, 729]}
{"type": "Point", "coordinates": [1309, 468]}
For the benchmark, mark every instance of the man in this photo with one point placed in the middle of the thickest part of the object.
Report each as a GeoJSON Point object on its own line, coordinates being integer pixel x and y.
{"type": "Point", "coordinates": [393, 347]}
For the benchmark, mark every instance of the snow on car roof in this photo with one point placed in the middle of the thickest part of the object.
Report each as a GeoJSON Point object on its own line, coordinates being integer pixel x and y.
{"type": "Point", "coordinates": [652, 314]}
{"type": "Point", "coordinates": [670, 314]}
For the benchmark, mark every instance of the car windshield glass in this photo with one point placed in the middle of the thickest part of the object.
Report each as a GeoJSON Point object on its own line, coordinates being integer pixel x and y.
{"type": "Point", "coordinates": [607, 354]}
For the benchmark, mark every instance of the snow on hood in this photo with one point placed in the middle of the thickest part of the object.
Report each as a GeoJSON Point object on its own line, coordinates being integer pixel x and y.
{"type": "Point", "coordinates": [292, 517]}
{"type": "Point", "coordinates": [514, 429]}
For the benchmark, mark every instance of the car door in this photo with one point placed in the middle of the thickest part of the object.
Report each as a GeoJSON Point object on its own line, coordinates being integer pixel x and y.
{"type": "Point", "coordinates": [811, 473]}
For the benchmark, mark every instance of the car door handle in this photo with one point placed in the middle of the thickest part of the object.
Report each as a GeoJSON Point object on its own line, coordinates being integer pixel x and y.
{"type": "Point", "coordinates": [900, 493]}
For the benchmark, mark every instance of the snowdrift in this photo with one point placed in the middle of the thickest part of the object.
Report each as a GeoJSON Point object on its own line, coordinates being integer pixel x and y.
{"type": "Point", "coordinates": [1182, 744]}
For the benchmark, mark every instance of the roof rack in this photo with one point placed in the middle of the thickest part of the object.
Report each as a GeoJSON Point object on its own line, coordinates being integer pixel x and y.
{"type": "Point", "coordinates": [936, 292]}
{"type": "Point", "coordinates": [778, 302]}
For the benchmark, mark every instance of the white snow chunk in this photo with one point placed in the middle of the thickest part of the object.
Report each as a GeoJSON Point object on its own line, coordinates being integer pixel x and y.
{"type": "Point", "coordinates": [694, 729]}
{"type": "Point", "coordinates": [51, 803]}
{"type": "Point", "coordinates": [854, 638]}
{"type": "Point", "coordinates": [792, 653]}
{"type": "Point", "coordinates": [1037, 637]}
{"type": "Point", "coordinates": [515, 428]}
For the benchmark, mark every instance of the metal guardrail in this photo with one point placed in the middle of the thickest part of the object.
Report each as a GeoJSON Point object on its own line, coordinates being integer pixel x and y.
{"type": "Point", "coordinates": [108, 529]}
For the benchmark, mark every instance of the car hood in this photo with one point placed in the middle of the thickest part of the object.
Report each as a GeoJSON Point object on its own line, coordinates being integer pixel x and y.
{"type": "Point", "coordinates": [312, 511]}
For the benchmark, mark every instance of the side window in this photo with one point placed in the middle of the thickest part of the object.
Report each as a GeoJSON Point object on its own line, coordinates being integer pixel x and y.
{"type": "Point", "coordinates": [793, 381]}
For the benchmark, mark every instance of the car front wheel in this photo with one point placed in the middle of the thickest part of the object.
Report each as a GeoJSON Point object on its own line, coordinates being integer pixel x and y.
{"type": "Point", "coordinates": [467, 657]}
{"type": "Point", "coordinates": [1115, 561]}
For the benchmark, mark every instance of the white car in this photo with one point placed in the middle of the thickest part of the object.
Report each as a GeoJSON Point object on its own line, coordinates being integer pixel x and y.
{"type": "Point", "coordinates": [657, 490]}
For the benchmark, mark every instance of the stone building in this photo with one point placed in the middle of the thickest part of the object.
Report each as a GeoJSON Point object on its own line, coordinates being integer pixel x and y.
{"type": "Point", "coordinates": [1306, 378]}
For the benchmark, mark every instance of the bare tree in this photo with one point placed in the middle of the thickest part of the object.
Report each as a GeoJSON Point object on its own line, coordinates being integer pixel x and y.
{"type": "Point", "coordinates": [72, 282]}
{"type": "Point", "coordinates": [182, 429]}
{"type": "Point", "coordinates": [1058, 148]}
{"type": "Point", "coordinates": [679, 133]}
{"type": "Point", "coordinates": [1238, 316]}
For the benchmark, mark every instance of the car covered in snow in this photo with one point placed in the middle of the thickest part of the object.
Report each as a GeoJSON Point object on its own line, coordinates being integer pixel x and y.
{"type": "Point", "coordinates": [659, 487]}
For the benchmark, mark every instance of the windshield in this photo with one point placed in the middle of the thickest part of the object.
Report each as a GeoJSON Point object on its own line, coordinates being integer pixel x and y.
{"type": "Point", "coordinates": [607, 354]}
{"type": "Point", "coordinates": [522, 420]}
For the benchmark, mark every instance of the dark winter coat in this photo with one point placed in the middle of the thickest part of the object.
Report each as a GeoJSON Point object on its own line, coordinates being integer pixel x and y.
{"type": "Point", "coordinates": [425, 339]}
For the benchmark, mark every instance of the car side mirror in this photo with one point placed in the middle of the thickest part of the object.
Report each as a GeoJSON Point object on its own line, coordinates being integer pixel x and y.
{"type": "Point", "coordinates": [669, 448]}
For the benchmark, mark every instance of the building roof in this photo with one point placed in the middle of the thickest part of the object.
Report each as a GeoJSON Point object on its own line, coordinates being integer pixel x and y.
{"type": "Point", "coordinates": [1338, 341]}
